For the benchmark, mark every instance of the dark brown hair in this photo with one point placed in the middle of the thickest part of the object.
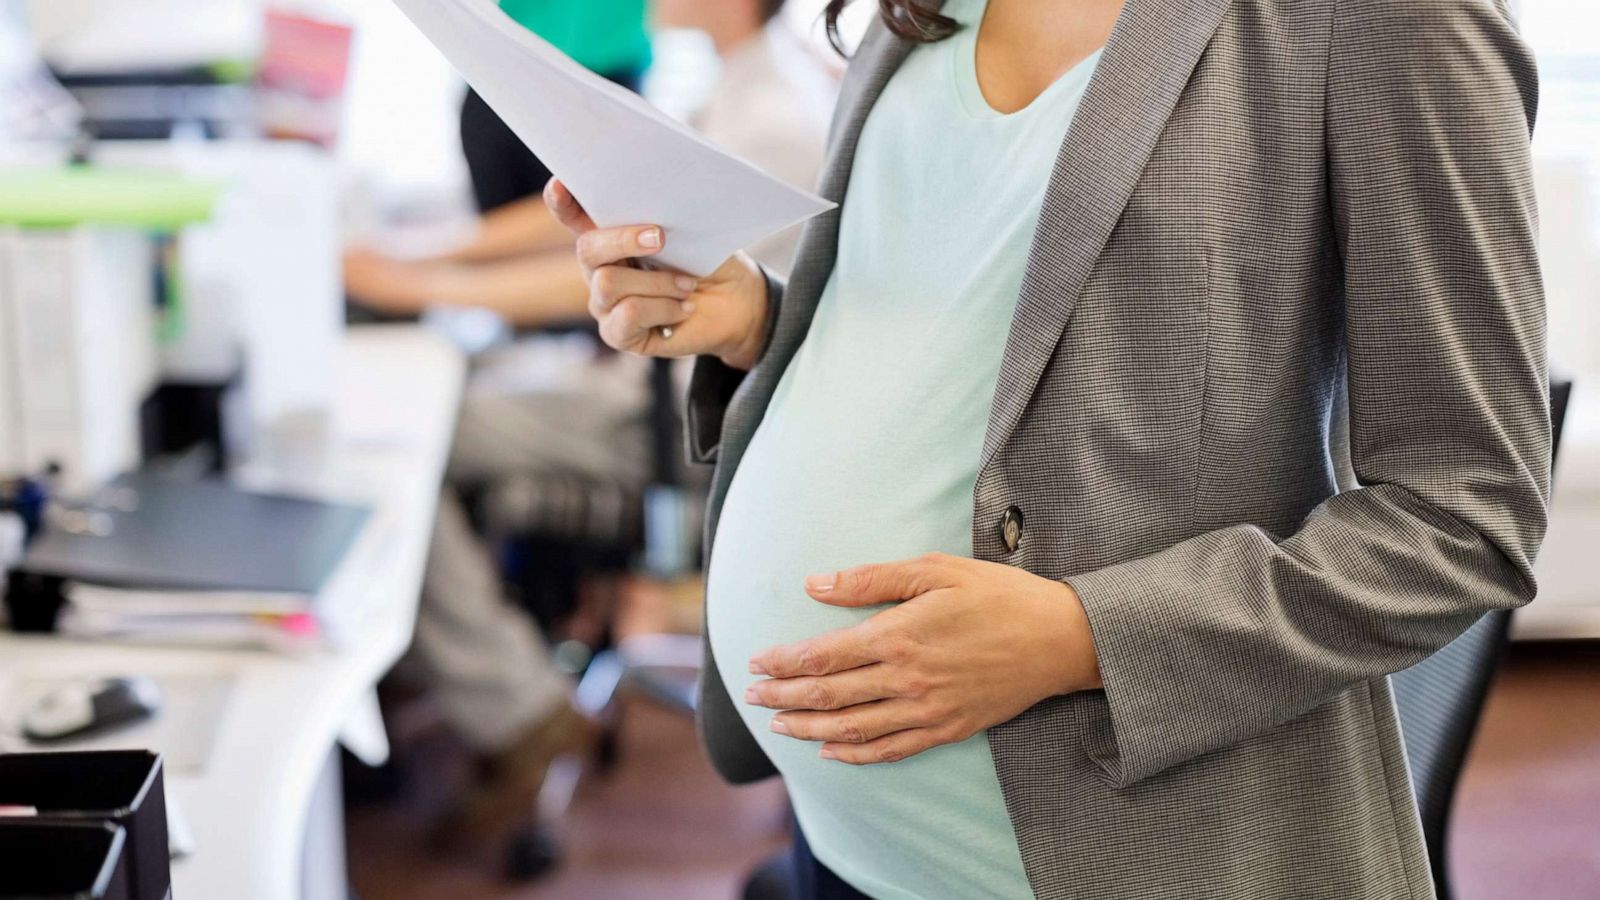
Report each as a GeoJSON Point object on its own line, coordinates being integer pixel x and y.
{"type": "Point", "coordinates": [910, 19]}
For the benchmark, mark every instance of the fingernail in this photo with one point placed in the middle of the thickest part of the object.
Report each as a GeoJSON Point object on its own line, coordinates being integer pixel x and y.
{"type": "Point", "coordinates": [779, 727]}
{"type": "Point", "coordinates": [822, 583]}
{"type": "Point", "coordinates": [688, 306]}
{"type": "Point", "coordinates": [825, 753]}
{"type": "Point", "coordinates": [650, 239]}
{"type": "Point", "coordinates": [685, 283]}
{"type": "Point", "coordinates": [750, 696]}
{"type": "Point", "coordinates": [756, 668]}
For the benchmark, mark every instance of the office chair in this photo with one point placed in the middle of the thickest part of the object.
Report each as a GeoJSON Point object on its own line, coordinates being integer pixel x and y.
{"type": "Point", "coordinates": [1440, 699]}
{"type": "Point", "coordinates": [561, 531]}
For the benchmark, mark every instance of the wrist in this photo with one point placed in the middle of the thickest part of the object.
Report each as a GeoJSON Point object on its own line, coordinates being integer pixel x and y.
{"type": "Point", "coordinates": [745, 350]}
{"type": "Point", "coordinates": [742, 356]}
{"type": "Point", "coordinates": [1079, 668]}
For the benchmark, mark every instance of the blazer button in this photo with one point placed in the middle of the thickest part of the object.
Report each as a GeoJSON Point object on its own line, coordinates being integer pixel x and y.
{"type": "Point", "coordinates": [1011, 522]}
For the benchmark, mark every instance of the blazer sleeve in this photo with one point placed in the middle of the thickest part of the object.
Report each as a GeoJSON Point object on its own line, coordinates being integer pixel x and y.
{"type": "Point", "coordinates": [713, 382]}
{"type": "Point", "coordinates": [1225, 636]}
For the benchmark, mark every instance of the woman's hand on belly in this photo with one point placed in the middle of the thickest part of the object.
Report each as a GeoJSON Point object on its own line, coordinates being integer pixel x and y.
{"type": "Point", "coordinates": [973, 644]}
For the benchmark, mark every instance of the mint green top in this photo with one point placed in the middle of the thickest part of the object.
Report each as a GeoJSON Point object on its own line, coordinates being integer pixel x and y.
{"type": "Point", "coordinates": [605, 36]}
{"type": "Point", "coordinates": [869, 451]}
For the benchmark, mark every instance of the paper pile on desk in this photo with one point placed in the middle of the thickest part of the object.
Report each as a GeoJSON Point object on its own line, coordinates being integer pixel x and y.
{"type": "Point", "coordinates": [282, 621]}
{"type": "Point", "coordinates": [625, 161]}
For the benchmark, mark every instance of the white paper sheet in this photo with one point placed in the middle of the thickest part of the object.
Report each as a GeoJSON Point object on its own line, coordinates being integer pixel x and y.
{"type": "Point", "coordinates": [625, 161]}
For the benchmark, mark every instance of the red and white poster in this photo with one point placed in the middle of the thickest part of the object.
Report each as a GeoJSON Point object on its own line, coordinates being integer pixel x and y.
{"type": "Point", "coordinates": [305, 63]}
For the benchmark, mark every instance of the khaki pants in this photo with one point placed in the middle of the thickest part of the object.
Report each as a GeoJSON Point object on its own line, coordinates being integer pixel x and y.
{"type": "Point", "coordinates": [545, 407]}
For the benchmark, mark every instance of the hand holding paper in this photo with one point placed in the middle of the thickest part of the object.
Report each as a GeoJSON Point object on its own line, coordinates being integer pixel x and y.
{"type": "Point", "coordinates": [627, 162]}
{"type": "Point", "coordinates": [654, 312]}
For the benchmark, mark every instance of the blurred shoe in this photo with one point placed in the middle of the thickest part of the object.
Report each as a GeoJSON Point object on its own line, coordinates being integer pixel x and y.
{"type": "Point", "coordinates": [505, 791]}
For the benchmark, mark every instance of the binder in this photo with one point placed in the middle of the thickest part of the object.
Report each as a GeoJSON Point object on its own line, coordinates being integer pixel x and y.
{"type": "Point", "coordinates": [150, 559]}
{"type": "Point", "coordinates": [205, 535]}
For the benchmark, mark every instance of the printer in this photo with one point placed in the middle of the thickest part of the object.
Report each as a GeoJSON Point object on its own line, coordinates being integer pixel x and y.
{"type": "Point", "coordinates": [240, 289]}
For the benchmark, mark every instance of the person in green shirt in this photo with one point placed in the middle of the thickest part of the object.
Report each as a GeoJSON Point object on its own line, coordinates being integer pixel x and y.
{"type": "Point", "coordinates": [608, 37]}
{"type": "Point", "coordinates": [605, 36]}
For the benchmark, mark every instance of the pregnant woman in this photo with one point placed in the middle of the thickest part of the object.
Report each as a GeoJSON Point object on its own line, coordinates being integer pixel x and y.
{"type": "Point", "coordinates": [1171, 372]}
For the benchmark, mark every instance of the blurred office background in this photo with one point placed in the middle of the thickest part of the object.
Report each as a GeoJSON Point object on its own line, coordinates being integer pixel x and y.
{"type": "Point", "coordinates": [235, 151]}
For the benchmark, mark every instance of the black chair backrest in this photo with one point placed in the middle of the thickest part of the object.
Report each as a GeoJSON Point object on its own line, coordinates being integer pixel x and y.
{"type": "Point", "coordinates": [1440, 698]}
{"type": "Point", "coordinates": [666, 429]}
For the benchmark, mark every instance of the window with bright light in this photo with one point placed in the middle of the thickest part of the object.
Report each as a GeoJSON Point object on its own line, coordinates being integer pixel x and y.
{"type": "Point", "coordinates": [1565, 37]}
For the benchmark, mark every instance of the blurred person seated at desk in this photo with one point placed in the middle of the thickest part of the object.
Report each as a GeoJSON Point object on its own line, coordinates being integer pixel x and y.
{"type": "Point", "coordinates": [563, 405]}
{"type": "Point", "coordinates": [508, 264]}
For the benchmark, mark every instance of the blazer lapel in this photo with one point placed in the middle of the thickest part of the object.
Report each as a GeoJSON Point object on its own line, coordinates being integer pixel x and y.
{"type": "Point", "coordinates": [1146, 63]}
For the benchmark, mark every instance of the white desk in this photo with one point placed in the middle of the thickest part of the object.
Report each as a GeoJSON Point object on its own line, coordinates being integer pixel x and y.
{"type": "Point", "coordinates": [250, 808]}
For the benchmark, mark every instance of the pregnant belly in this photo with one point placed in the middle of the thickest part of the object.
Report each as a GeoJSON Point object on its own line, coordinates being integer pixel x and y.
{"type": "Point", "coordinates": [775, 529]}
{"type": "Point", "coordinates": [790, 513]}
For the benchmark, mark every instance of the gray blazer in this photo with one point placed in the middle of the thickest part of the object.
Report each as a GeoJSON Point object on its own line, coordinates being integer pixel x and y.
{"type": "Point", "coordinates": [1265, 213]}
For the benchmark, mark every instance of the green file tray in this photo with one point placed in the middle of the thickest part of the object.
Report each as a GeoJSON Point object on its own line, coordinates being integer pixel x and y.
{"type": "Point", "coordinates": [65, 196]}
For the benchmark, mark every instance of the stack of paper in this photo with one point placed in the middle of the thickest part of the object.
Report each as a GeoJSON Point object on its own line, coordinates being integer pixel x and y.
{"type": "Point", "coordinates": [277, 621]}
{"type": "Point", "coordinates": [625, 161]}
